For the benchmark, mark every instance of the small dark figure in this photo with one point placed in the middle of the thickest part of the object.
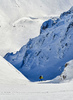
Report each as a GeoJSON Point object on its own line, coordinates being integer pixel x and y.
{"type": "Point", "coordinates": [64, 77]}
{"type": "Point", "coordinates": [41, 78]}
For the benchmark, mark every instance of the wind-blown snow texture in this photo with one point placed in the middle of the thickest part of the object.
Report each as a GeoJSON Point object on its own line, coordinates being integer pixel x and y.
{"type": "Point", "coordinates": [46, 54]}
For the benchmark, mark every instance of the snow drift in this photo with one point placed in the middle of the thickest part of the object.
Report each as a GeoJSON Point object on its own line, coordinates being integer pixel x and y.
{"type": "Point", "coordinates": [46, 54]}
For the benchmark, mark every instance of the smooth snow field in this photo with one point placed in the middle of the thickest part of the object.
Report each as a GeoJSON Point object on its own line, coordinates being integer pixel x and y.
{"type": "Point", "coordinates": [36, 91]}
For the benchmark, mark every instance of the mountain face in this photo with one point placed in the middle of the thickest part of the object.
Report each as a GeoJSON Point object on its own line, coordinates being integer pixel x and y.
{"type": "Point", "coordinates": [19, 19]}
{"type": "Point", "coordinates": [46, 54]}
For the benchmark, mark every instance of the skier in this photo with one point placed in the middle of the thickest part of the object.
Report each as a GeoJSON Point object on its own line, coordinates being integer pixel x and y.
{"type": "Point", "coordinates": [41, 78]}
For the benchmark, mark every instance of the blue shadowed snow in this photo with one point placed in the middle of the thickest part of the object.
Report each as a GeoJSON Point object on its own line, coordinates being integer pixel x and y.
{"type": "Point", "coordinates": [46, 54]}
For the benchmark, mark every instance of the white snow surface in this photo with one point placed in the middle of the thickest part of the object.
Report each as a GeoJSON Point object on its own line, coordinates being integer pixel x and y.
{"type": "Point", "coordinates": [13, 86]}
{"type": "Point", "coordinates": [19, 19]}
{"type": "Point", "coordinates": [37, 91]}
{"type": "Point", "coordinates": [8, 73]}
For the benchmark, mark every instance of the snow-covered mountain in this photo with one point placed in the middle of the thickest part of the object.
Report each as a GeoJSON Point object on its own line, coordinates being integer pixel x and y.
{"type": "Point", "coordinates": [19, 19]}
{"type": "Point", "coordinates": [46, 54]}
{"type": "Point", "coordinates": [9, 74]}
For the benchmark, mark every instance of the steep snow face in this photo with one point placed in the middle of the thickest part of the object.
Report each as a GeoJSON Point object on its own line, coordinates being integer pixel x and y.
{"type": "Point", "coordinates": [19, 19]}
{"type": "Point", "coordinates": [46, 54]}
{"type": "Point", "coordinates": [9, 74]}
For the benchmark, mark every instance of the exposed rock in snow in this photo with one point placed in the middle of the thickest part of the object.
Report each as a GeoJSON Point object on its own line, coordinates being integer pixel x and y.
{"type": "Point", "coordinates": [67, 74]}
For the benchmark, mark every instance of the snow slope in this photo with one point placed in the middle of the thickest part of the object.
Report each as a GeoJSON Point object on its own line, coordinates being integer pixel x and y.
{"type": "Point", "coordinates": [19, 19]}
{"type": "Point", "coordinates": [13, 86]}
{"type": "Point", "coordinates": [12, 89]}
{"type": "Point", "coordinates": [46, 54]}
{"type": "Point", "coordinates": [9, 74]}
